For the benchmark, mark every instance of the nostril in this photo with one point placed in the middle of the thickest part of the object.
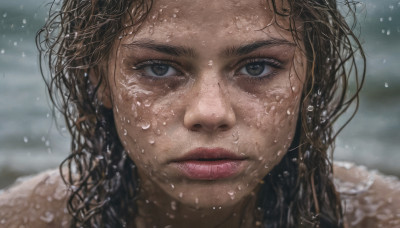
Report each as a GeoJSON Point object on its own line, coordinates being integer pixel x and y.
{"type": "Point", "coordinates": [224, 127]}
{"type": "Point", "coordinates": [196, 127]}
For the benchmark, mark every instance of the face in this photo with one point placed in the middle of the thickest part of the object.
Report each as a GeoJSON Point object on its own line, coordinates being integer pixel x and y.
{"type": "Point", "coordinates": [205, 96]}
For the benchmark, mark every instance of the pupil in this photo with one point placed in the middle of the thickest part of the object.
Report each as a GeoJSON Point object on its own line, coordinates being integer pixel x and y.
{"type": "Point", "coordinates": [159, 69]}
{"type": "Point", "coordinates": [255, 69]}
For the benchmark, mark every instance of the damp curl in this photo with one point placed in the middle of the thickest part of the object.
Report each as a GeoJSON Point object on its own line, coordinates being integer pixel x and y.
{"type": "Point", "coordinates": [78, 37]}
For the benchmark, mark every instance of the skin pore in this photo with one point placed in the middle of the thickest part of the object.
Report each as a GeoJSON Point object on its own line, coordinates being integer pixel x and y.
{"type": "Point", "coordinates": [200, 75]}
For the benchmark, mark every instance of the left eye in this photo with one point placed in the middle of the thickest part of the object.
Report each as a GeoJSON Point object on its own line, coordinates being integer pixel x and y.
{"type": "Point", "coordinates": [159, 70]}
{"type": "Point", "coordinates": [256, 69]}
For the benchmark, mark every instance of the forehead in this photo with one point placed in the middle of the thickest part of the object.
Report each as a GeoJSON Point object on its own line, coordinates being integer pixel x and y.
{"type": "Point", "coordinates": [210, 21]}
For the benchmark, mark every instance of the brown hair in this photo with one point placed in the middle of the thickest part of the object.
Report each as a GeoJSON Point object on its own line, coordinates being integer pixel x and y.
{"type": "Point", "coordinates": [299, 192]}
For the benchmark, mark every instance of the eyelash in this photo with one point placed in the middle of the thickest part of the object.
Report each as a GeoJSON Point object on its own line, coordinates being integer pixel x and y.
{"type": "Point", "coordinates": [273, 63]}
{"type": "Point", "coordinates": [149, 63]}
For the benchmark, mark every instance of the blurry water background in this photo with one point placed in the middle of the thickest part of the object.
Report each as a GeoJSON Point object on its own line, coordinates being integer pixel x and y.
{"type": "Point", "coordinates": [30, 142]}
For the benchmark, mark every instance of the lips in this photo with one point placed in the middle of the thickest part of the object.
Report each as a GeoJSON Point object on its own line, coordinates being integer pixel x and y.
{"type": "Point", "coordinates": [209, 164]}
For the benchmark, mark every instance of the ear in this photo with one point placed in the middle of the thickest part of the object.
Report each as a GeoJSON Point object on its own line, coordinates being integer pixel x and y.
{"type": "Point", "coordinates": [98, 78]}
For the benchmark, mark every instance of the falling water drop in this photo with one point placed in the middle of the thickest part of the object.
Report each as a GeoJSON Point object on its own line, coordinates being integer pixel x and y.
{"type": "Point", "coordinates": [386, 85]}
{"type": "Point", "coordinates": [2, 51]}
{"type": "Point", "coordinates": [24, 21]}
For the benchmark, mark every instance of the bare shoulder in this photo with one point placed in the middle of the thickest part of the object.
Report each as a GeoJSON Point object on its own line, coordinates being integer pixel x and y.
{"type": "Point", "coordinates": [38, 201]}
{"type": "Point", "coordinates": [369, 198]}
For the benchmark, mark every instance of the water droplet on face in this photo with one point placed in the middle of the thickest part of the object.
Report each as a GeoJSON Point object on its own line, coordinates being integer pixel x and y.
{"type": "Point", "coordinates": [142, 151]}
{"type": "Point", "coordinates": [210, 63]}
{"type": "Point", "coordinates": [231, 194]}
{"type": "Point", "coordinates": [172, 186]}
{"type": "Point", "coordinates": [180, 194]}
{"type": "Point", "coordinates": [196, 200]}
{"type": "Point", "coordinates": [288, 112]}
{"type": "Point", "coordinates": [235, 137]}
{"type": "Point", "coordinates": [125, 132]}
{"type": "Point", "coordinates": [47, 217]}
{"type": "Point", "coordinates": [151, 140]}
{"type": "Point", "coordinates": [266, 166]}
{"type": "Point", "coordinates": [145, 126]}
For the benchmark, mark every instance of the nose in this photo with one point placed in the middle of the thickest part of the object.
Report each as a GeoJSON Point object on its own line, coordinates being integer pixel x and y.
{"type": "Point", "coordinates": [209, 109]}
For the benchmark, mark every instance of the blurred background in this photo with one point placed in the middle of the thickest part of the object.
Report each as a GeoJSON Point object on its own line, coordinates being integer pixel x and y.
{"type": "Point", "coordinates": [30, 142]}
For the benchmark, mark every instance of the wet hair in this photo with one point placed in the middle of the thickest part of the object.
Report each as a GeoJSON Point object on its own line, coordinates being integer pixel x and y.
{"type": "Point", "coordinates": [103, 180]}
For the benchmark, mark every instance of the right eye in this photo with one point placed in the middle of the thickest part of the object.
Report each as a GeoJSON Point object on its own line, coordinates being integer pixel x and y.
{"type": "Point", "coordinates": [157, 69]}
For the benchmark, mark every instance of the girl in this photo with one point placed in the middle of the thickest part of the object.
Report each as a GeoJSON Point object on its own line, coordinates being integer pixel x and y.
{"type": "Point", "coordinates": [202, 114]}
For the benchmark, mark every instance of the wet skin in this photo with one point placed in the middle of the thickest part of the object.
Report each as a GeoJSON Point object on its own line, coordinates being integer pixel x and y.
{"type": "Point", "coordinates": [210, 76]}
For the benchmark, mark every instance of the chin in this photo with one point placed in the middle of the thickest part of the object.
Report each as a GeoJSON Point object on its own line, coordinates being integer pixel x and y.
{"type": "Point", "coordinates": [210, 194]}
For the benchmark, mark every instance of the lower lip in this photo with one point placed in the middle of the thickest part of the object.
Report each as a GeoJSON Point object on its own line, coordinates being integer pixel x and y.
{"type": "Point", "coordinates": [209, 170]}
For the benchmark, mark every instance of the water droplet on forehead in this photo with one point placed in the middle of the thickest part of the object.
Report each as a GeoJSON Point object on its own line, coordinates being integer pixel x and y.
{"type": "Point", "coordinates": [180, 194]}
{"type": "Point", "coordinates": [210, 63]}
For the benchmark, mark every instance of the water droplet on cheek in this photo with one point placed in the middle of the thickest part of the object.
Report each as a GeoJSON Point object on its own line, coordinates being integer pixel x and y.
{"type": "Point", "coordinates": [181, 195]}
{"type": "Point", "coordinates": [210, 63]}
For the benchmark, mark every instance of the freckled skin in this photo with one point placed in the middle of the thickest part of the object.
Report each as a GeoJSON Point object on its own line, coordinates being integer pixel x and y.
{"type": "Point", "coordinates": [207, 104]}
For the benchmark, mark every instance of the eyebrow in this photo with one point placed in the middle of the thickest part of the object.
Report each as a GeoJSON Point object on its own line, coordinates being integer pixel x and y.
{"type": "Point", "coordinates": [163, 48]}
{"type": "Point", "coordinates": [248, 48]}
{"type": "Point", "coordinates": [179, 51]}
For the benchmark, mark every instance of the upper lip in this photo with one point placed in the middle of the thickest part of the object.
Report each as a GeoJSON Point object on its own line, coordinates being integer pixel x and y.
{"type": "Point", "coordinates": [203, 153]}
